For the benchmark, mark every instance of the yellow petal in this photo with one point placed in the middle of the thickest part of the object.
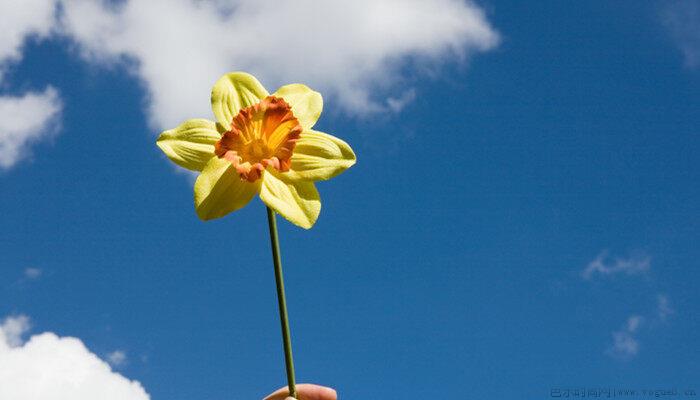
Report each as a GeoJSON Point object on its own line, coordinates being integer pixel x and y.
{"type": "Point", "coordinates": [306, 104]}
{"type": "Point", "coordinates": [231, 93]}
{"type": "Point", "coordinates": [296, 201]}
{"type": "Point", "coordinates": [191, 144]}
{"type": "Point", "coordinates": [219, 190]}
{"type": "Point", "coordinates": [320, 156]}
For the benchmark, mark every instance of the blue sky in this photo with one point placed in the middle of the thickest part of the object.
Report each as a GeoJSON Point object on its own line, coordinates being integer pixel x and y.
{"type": "Point", "coordinates": [523, 215]}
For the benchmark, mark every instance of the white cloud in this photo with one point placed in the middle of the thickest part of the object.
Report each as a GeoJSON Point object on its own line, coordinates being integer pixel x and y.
{"type": "Point", "coordinates": [635, 264]}
{"type": "Point", "coordinates": [682, 19]}
{"type": "Point", "coordinates": [117, 358]}
{"type": "Point", "coordinates": [24, 120]}
{"type": "Point", "coordinates": [49, 367]}
{"type": "Point", "coordinates": [18, 21]}
{"type": "Point", "coordinates": [30, 117]}
{"type": "Point", "coordinates": [32, 273]}
{"type": "Point", "coordinates": [355, 52]}
{"type": "Point", "coordinates": [625, 344]}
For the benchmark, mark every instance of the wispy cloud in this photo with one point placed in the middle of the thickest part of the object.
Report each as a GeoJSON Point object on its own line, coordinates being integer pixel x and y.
{"type": "Point", "coordinates": [32, 273]}
{"type": "Point", "coordinates": [625, 344]}
{"type": "Point", "coordinates": [637, 263]}
{"type": "Point", "coordinates": [13, 329]}
{"type": "Point", "coordinates": [117, 358]}
{"type": "Point", "coordinates": [663, 307]}
{"type": "Point", "coordinates": [625, 341]}
{"type": "Point", "coordinates": [682, 19]}
{"type": "Point", "coordinates": [63, 365]}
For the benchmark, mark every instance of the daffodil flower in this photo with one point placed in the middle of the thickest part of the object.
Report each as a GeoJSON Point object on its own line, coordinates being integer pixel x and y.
{"type": "Point", "coordinates": [260, 144]}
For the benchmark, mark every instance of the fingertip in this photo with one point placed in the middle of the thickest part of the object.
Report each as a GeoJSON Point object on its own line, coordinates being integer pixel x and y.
{"type": "Point", "coordinates": [315, 392]}
{"type": "Point", "coordinates": [331, 394]}
{"type": "Point", "coordinates": [305, 391]}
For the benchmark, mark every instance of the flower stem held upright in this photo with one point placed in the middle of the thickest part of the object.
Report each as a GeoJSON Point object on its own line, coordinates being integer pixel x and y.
{"type": "Point", "coordinates": [281, 300]}
{"type": "Point", "coordinates": [260, 144]}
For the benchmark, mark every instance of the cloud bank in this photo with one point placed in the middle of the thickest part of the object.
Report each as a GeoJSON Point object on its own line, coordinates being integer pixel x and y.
{"type": "Point", "coordinates": [364, 54]}
{"type": "Point", "coordinates": [357, 52]}
{"type": "Point", "coordinates": [48, 367]}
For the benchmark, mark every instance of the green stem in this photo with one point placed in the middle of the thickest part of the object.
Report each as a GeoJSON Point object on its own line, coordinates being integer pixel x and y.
{"type": "Point", "coordinates": [281, 300]}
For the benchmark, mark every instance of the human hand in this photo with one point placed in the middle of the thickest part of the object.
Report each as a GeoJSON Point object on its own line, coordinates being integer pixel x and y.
{"type": "Point", "coordinates": [305, 391]}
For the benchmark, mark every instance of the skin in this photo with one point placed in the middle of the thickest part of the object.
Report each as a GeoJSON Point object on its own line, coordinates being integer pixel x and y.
{"type": "Point", "coordinates": [305, 391]}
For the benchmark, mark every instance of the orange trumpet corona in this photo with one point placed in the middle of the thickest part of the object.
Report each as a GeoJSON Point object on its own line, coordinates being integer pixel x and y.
{"type": "Point", "coordinates": [262, 135]}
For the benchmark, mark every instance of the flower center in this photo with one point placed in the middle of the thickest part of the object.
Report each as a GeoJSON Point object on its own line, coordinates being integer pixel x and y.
{"type": "Point", "coordinates": [262, 135]}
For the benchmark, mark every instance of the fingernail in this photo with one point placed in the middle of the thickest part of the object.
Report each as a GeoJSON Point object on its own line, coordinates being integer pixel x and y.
{"type": "Point", "coordinates": [331, 392]}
